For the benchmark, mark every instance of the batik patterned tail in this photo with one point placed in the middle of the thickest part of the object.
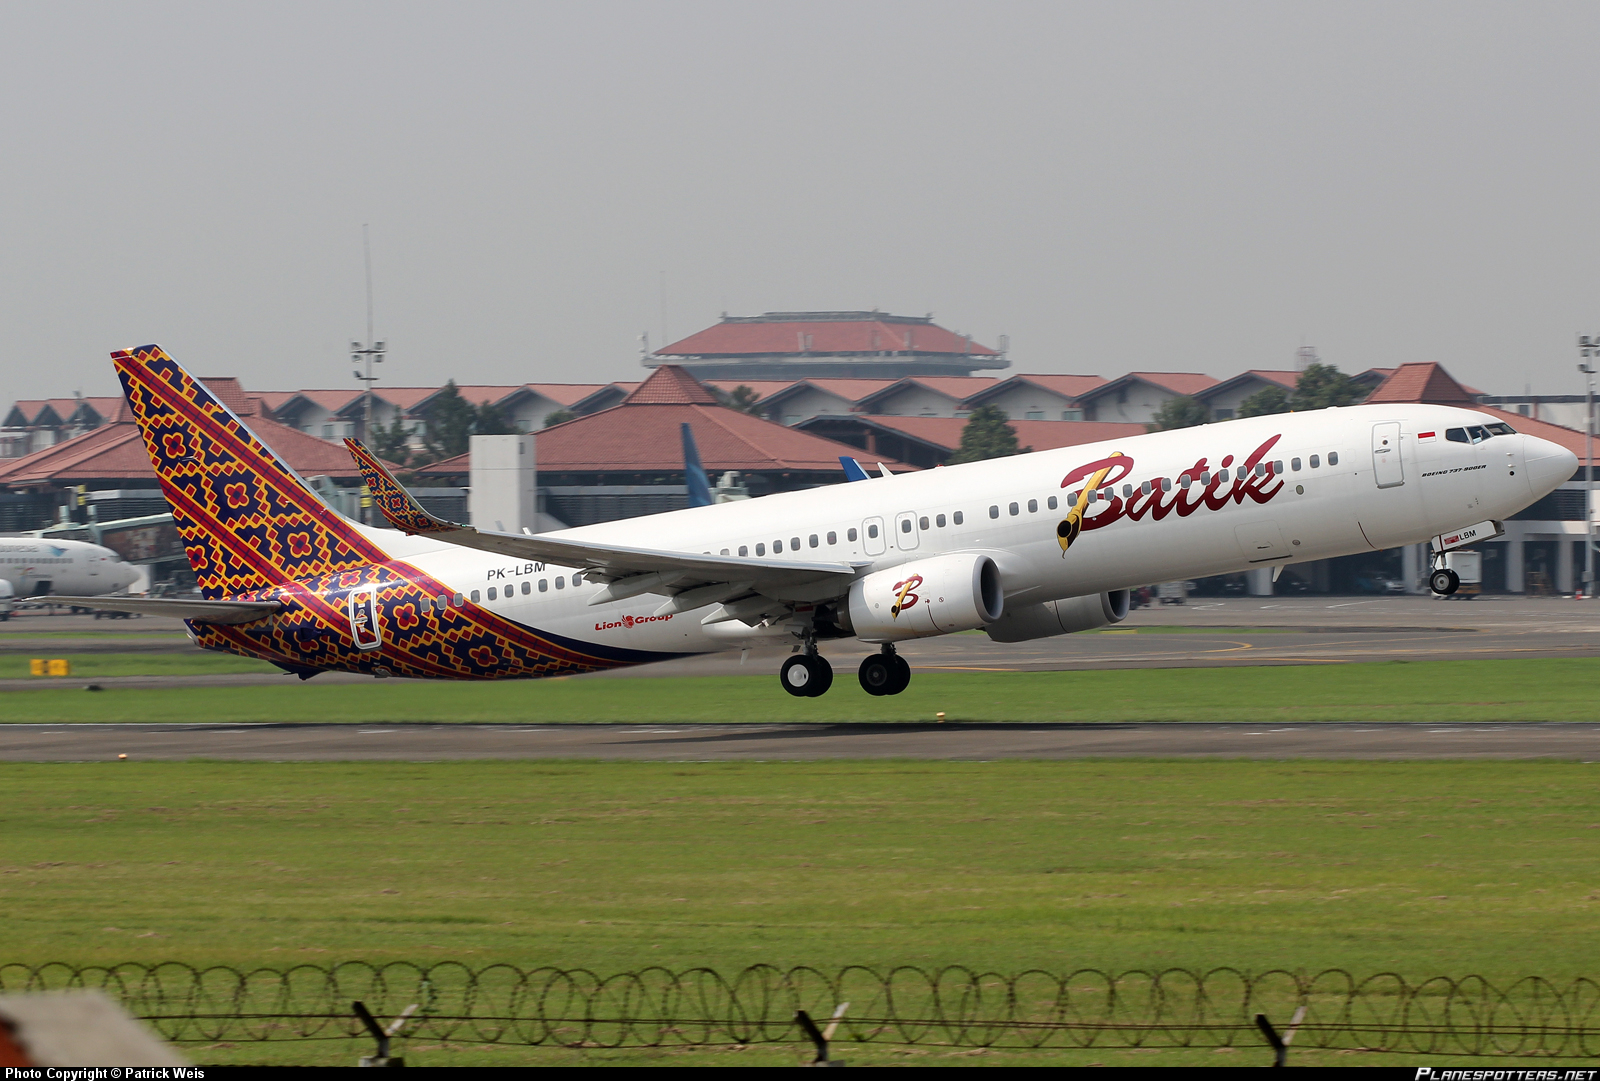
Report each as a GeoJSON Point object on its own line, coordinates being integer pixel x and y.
{"type": "Point", "coordinates": [247, 522]}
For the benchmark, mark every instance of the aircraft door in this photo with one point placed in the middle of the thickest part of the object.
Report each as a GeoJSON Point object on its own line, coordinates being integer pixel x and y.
{"type": "Point", "coordinates": [905, 530]}
{"type": "Point", "coordinates": [872, 536]}
{"type": "Point", "coordinates": [364, 619]}
{"type": "Point", "coordinates": [1387, 468]}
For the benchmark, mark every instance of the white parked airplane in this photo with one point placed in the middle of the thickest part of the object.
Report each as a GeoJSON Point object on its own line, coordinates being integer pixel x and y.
{"type": "Point", "coordinates": [1023, 547]}
{"type": "Point", "coordinates": [34, 568]}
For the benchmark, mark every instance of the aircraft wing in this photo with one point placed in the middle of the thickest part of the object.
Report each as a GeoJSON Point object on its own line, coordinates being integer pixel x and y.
{"type": "Point", "coordinates": [627, 571]}
{"type": "Point", "coordinates": [227, 612]}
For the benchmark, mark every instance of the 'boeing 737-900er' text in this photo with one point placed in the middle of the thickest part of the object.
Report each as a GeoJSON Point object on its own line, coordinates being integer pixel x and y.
{"type": "Point", "coordinates": [1023, 547]}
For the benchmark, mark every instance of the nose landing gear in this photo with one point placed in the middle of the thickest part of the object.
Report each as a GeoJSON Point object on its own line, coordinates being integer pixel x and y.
{"type": "Point", "coordinates": [1444, 581]}
{"type": "Point", "coordinates": [807, 674]}
{"type": "Point", "coordinates": [885, 673]}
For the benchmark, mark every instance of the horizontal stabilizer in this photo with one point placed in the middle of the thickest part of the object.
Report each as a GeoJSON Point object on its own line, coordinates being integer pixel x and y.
{"type": "Point", "coordinates": [226, 612]}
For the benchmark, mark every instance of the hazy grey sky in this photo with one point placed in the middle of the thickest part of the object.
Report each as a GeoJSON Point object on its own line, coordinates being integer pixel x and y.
{"type": "Point", "coordinates": [1115, 185]}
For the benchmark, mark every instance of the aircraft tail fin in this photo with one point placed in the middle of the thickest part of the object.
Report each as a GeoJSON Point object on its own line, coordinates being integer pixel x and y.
{"type": "Point", "coordinates": [248, 522]}
{"type": "Point", "coordinates": [694, 474]}
{"type": "Point", "coordinates": [852, 468]}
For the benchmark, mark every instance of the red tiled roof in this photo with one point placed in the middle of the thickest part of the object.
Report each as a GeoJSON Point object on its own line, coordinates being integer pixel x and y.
{"type": "Point", "coordinates": [1068, 386]}
{"type": "Point", "coordinates": [670, 385]}
{"type": "Point", "coordinates": [331, 400]}
{"type": "Point", "coordinates": [30, 408]}
{"type": "Point", "coordinates": [803, 336]}
{"type": "Point", "coordinates": [1422, 382]}
{"type": "Point", "coordinates": [1038, 434]}
{"type": "Point", "coordinates": [116, 452]}
{"type": "Point", "coordinates": [564, 393]}
{"type": "Point", "coordinates": [645, 438]}
{"type": "Point", "coordinates": [764, 388]}
{"type": "Point", "coordinates": [1185, 383]}
{"type": "Point", "coordinates": [958, 388]}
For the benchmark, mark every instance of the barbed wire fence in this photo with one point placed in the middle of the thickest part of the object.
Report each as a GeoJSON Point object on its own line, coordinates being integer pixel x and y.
{"type": "Point", "coordinates": [948, 1007]}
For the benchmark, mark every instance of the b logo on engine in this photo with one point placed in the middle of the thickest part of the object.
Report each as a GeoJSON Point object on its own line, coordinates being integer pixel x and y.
{"type": "Point", "coordinates": [904, 598]}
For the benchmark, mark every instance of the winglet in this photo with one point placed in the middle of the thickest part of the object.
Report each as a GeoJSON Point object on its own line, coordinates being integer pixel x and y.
{"type": "Point", "coordinates": [852, 468]}
{"type": "Point", "coordinates": [390, 497]}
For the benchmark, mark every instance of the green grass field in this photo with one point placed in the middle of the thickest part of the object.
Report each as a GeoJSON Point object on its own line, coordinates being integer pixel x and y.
{"type": "Point", "coordinates": [1418, 868]}
{"type": "Point", "coordinates": [1426, 691]}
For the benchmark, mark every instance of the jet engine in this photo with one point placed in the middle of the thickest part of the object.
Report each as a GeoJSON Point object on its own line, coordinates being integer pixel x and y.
{"type": "Point", "coordinates": [1060, 617]}
{"type": "Point", "coordinates": [959, 592]}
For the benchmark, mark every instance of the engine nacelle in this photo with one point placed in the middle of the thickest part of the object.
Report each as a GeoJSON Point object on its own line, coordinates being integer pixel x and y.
{"type": "Point", "coordinates": [926, 597]}
{"type": "Point", "coordinates": [1060, 617]}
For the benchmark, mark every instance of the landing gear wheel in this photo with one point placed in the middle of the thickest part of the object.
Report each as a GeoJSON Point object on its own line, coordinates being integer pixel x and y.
{"type": "Point", "coordinates": [1444, 581]}
{"type": "Point", "coordinates": [821, 676]}
{"type": "Point", "coordinates": [884, 673]}
{"type": "Point", "coordinates": [798, 676]}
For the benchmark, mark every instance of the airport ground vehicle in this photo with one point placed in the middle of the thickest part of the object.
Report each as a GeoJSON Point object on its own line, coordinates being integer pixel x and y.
{"type": "Point", "coordinates": [1023, 547]}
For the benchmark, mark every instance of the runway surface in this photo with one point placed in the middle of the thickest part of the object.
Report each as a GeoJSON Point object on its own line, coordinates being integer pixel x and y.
{"type": "Point", "coordinates": [1204, 633]}
{"type": "Point", "coordinates": [789, 742]}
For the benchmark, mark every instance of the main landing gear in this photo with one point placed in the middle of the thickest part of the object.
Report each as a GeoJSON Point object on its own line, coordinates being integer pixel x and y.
{"type": "Point", "coordinates": [807, 674]}
{"type": "Point", "coordinates": [1444, 581]}
{"type": "Point", "coordinates": [885, 672]}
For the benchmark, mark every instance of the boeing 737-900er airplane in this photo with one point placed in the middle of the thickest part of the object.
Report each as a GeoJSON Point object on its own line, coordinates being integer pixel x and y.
{"type": "Point", "coordinates": [1022, 547]}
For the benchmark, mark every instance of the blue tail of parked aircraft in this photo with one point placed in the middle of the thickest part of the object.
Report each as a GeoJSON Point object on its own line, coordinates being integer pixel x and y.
{"type": "Point", "coordinates": [852, 468]}
{"type": "Point", "coordinates": [694, 474]}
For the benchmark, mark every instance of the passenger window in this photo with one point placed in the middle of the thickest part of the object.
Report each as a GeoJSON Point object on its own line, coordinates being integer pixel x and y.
{"type": "Point", "coordinates": [922, 523]}
{"type": "Point", "coordinates": [938, 520]}
{"type": "Point", "coordinates": [994, 512]}
{"type": "Point", "coordinates": [794, 544]}
{"type": "Point", "coordinates": [1014, 509]}
{"type": "Point", "coordinates": [544, 585]}
{"type": "Point", "coordinates": [1144, 488]}
{"type": "Point", "coordinates": [1033, 506]}
{"type": "Point", "coordinates": [1185, 480]}
{"type": "Point", "coordinates": [777, 546]}
{"type": "Point", "coordinates": [577, 579]}
{"type": "Point", "coordinates": [461, 602]}
{"type": "Point", "coordinates": [1315, 461]}
{"type": "Point", "coordinates": [744, 550]}
{"type": "Point", "coordinates": [1051, 502]}
{"type": "Point", "coordinates": [761, 549]}
{"type": "Point", "coordinates": [561, 583]}
{"type": "Point", "coordinates": [1333, 457]}
{"type": "Point", "coordinates": [1294, 464]}
{"type": "Point", "coordinates": [1094, 497]}
{"type": "Point", "coordinates": [723, 552]}
{"type": "Point", "coordinates": [1222, 477]}
{"type": "Point", "coordinates": [1277, 467]}
{"type": "Point", "coordinates": [441, 602]}
{"type": "Point", "coordinates": [850, 534]}
{"type": "Point", "coordinates": [526, 588]}
{"type": "Point", "coordinates": [833, 538]}
{"type": "Point", "coordinates": [905, 525]}
{"type": "Point", "coordinates": [957, 518]}
{"type": "Point", "coordinates": [492, 594]}
{"type": "Point", "coordinates": [812, 540]}
{"type": "Point", "coordinates": [872, 531]}
{"type": "Point", "coordinates": [1127, 491]}
{"type": "Point", "coordinates": [1166, 484]}
{"type": "Point", "coordinates": [1205, 476]}
{"type": "Point", "coordinates": [474, 596]}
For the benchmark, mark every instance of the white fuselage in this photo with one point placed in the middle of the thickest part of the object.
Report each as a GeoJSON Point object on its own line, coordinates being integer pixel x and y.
{"type": "Point", "coordinates": [36, 567]}
{"type": "Point", "coordinates": [1002, 508]}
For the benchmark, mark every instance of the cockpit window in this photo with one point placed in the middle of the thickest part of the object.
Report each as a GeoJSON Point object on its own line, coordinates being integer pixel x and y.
{"type": "Point", "coordinates": [1478, 433]}
{"type": "Point", "coordinates": [1500, 428]}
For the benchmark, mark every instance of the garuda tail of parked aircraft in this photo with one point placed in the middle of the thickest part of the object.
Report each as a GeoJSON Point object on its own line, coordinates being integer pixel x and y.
{"type": "Point", "coordinates": [1023, 547]}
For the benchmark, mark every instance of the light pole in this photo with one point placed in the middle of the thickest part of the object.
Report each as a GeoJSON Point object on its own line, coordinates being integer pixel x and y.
{"type": "Point", "coordinates": [1588, 347]}
{"type": "Point", "coordinates": [364, 355]}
